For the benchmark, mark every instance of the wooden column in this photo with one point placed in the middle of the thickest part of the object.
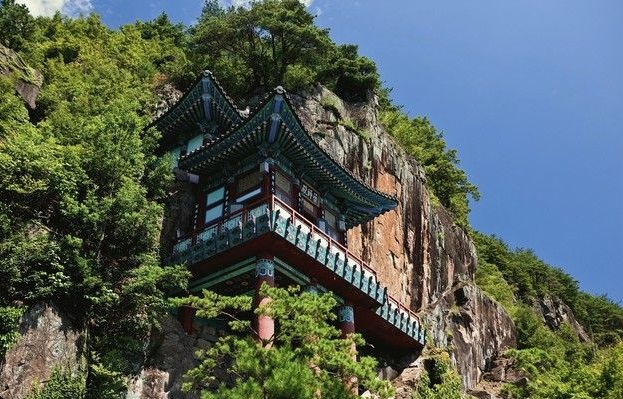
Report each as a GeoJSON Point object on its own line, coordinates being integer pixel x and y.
{"type": "Point", "coordinates": [264, 325]}
{"type": "Point", "coordinates": [346, 320]}
{"type": "Point", "coordinates": [186, 315]}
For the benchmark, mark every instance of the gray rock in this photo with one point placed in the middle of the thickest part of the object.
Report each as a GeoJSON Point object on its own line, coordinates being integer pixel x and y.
{"type": "Point", "coordinates": [173, 354]}
{"type": "Point", "coordinates": [554, 312]}
{"type": "Point", "coordinates": [28, 81]}
{"type": "Point", "coordinates": [48, 341]}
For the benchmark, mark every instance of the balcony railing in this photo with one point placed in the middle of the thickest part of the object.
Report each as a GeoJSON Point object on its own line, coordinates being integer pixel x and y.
{"type": "Point", "coordinates": [272, 214]}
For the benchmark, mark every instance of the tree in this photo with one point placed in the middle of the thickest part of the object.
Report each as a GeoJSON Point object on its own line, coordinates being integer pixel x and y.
{"type": "Point", "coordinates": [275, 42]}
{"type": "Point", "coordinates": [349, 75]}
{"type": "Point", "coordinates": [81, 194]}
{"type": "Point", "coordinates": [16, 24]}
{"type": "Point", "coordinates": [307, 358]}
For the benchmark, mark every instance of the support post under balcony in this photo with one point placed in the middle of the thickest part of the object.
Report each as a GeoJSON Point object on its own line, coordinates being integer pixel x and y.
{"type": "Point", "coordinates": [186, 316]}
{"type": "Point", "coordinates": [346, 320]}
{"type": "Point", "coordinates": [264, 325]}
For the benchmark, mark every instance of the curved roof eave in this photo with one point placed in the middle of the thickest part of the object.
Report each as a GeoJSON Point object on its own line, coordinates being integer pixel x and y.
{"type": "Point", "coordinates": [202, 85]}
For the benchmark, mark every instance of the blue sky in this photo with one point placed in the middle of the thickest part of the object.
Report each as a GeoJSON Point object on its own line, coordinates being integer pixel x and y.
{"type": "Point", "coordinates": [530, 93]}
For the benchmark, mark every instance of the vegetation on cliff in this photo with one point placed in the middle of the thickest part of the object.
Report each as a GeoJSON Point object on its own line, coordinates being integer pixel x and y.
{"type": "Point", "coordinates": [79, 198]}
{"type": "Point", "coordinates": [558, 364]}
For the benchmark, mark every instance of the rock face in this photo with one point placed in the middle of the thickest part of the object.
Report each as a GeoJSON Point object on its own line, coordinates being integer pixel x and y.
{"type": "Point", "coordinates": [27, 81]}
{"type": "Point", "coordinates": [48, 341]}
{"type": "Point", "coordinates": [167, 95]}
{"type": "Point", "coordinates": [425, 260]}
{"type": "Point", "coordinates": [173, 353]}
{"type": "Point", "coordinates": [475, 327]}
{"type": "Point", "coordinates": [554, 312]}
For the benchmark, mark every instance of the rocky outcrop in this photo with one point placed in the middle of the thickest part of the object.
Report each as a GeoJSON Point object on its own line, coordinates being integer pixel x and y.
{"type": "Point", "coordinates": [474, 327]}
{"type": "Point", "coordinates": [554, 312]}
{"type": "Point", "coordinates": [48, 341]}
{"type": "Point", "coordinates": [503, 371]}
{"type": "Point", "coordinates": [167, 96]}
{"type": "Point", "coordinates": [26, 80]}
{"type": "Point", "coordinates": [173, 353]}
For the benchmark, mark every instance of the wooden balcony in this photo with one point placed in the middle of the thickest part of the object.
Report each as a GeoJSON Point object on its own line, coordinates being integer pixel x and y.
{"type": "Point", "coordinates": [270, 224]}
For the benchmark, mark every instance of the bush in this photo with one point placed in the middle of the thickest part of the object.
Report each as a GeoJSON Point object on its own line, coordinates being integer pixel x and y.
{"type": "Point", "coordinates": [440, 381]}
{"type": "Point", "coordinates": [298, 78]}
{"type": "Point", "coordinates": [9, 324]}
{"type": "Point", "coordinates": [62, 385]}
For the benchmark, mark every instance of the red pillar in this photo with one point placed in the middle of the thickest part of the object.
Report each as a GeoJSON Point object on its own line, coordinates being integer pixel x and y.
{"type": "Point", "coordinates": [264, 325]}
{"type": "Point", "coordinates": [346, 320]}
{"type": "Point", "coordinates": [186, 316]}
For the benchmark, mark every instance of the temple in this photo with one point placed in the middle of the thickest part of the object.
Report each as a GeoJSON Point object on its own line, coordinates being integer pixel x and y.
{"type": "Point", "coordinates": [264, 203]}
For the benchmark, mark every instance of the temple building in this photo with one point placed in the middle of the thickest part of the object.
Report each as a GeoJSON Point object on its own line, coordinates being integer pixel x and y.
{"type": "Point", "coordinates": [264, 203]}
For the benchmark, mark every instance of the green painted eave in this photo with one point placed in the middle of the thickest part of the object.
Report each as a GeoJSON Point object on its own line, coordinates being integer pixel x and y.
{"type": "Point", "coordinates": [204, 104]}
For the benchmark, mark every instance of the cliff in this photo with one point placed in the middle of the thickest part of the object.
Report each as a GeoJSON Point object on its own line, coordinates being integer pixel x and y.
{"type": "Point", "coordinates": [48, 341]}
{"type": "Point", "coordinates": [419, 253]}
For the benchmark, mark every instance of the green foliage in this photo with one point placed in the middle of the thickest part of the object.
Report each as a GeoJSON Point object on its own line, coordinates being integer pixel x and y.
{"type": "Point", "coordinates": [16, 24]}
{"type": "Point", "coordinates": [305, 358]}
{"type": "Point", "coordinates": [61, 385]}
{"type": "Point", "coordinates": [170, 40]}
{"type": "Point", "coordinates": [446, 180]}
{"type": "Point", "coordinates": [491, 280]}
{"type": "Point", "coordinates": [298, 77]}
{"type": "Point", "coordinates": [440, 380]}
{"type": "Point", "coordinates": [561, 367]}
{"type": "Point", "coordinates": [275, 42]}
{"type": "Point", "coordinates": [349, 75]}
{"type": "Point", "coordinates": [506, 274]}
{"type": "Point", "coordinates": [13, 114]}
{"type": "Point", "coordinates": [9, 324]}
{"type": "Point", "coordinates": [79, 210]}
{"type": "Point", "coordinates": [602, 317]}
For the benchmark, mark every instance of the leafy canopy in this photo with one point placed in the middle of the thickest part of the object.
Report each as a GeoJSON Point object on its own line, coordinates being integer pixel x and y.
{"type": "Point", "coordinates": [16, 24]}
{"type": "Point", "coordinates": [275, 42]}
{"type": "Point", "coordinates": [80, 204]}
